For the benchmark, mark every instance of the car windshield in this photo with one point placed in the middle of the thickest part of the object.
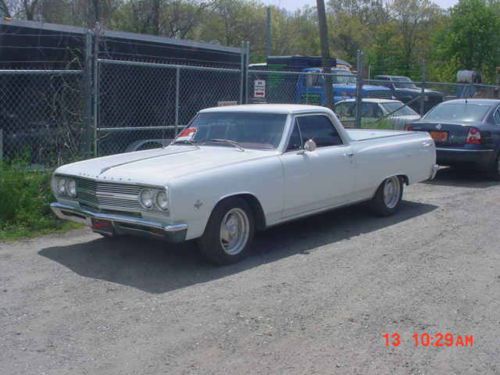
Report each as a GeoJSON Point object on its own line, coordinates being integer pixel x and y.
{"type": "Point", "coordinates": [344, 77]}
{"type": "Point", "coordinates": [404, 83]}
{"type": "Point", "coordinates": [248, 130]}
{"type": "Point", "coordinates": [399, 109]}
{"type": "Point", "coordinates": [463, 112]}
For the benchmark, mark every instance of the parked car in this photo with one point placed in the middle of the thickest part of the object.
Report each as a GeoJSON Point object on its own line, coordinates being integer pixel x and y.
{"type": "Point", "coordinates": [404, 89]}
{"type": "Point", "coordinates": [376, 113]}
{"type": "Point", "coordinates": [466, 132]}
{"type": "Point", "coordinates": [238, 169]}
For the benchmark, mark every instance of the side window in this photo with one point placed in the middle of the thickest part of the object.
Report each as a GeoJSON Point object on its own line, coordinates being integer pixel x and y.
{"type": "Point", "coordinates": [320, 129]}
{"type": "Point", "coordinates": [345, 109]}
{"type": "Point", "coordinates": [496, 116]}
{"type": "Point", "coordinates": [295, 142]}
{"type": "Point", "coordinates": [371, 110]}
{"type": "Point", "coordinates": [314, 79]}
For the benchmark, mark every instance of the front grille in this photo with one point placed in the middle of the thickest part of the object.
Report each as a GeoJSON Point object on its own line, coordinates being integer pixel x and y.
{"type": "Point", "coordinates": [108, 195]}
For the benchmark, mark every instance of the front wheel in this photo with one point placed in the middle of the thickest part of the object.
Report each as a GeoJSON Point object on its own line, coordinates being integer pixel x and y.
{"type": "Point", "coordinates": [388, 197]}
{"type": "Point", "coordinates": [229, 232]}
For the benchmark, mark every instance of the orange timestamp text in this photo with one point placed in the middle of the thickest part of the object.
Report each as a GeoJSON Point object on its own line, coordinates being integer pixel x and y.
{"type": "Point", "coordinates": [425, 339]}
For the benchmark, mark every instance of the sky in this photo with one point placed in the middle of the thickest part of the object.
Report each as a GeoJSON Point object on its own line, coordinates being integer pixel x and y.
{"type": "Point", "coordinates": [296, 4]}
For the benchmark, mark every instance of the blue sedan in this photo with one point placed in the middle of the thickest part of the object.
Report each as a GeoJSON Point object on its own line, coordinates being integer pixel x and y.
{"type": "Point", "coordinates": [466, 133]}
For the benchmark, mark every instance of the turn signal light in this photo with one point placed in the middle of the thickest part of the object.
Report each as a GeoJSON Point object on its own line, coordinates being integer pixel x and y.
{"type": "Point", "coordinates": [474, 137]}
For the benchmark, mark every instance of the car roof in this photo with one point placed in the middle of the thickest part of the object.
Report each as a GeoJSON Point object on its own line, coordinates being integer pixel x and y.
{"type": "Point", "coordinates": [473, 101]}
{"type": "Point", "coordinates": [268, 108]}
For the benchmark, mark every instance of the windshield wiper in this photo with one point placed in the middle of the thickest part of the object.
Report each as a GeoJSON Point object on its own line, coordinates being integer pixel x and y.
{"type": "Point", "coordinates": [228, 141]}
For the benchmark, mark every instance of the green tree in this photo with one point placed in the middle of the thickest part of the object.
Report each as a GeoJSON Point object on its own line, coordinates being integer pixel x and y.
{"type": "Point", "coordinates": [472, 38]}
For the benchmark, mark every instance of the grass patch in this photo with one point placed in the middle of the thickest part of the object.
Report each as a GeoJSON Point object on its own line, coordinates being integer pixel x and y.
{"type": "Point", "coordinates": [25, 196]}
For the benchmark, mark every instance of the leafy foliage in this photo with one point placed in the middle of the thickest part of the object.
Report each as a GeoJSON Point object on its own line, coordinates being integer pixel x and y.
{"type": "Point", "coordinates": [397, 36]}
{"type": "Point", "coordinates": [24, 207]}
{"type": "Point", "coordinates": [471, 39]}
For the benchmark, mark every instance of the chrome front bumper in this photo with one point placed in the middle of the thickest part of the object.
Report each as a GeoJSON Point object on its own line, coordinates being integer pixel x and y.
{"type": "Point", "coordinates": [435, 169]}
{"type": "Point", "coordinates": [121, 224]}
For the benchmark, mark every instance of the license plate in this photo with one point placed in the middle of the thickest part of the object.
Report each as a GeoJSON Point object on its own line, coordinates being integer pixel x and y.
{"type": "Point", "coordinates": [102, 226]}
{"type": "Point", "coordinates": [439, 136]}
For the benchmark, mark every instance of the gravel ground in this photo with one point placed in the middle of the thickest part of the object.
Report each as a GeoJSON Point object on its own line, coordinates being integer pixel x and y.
{"type": "Point", "coordinates": [316, 296]}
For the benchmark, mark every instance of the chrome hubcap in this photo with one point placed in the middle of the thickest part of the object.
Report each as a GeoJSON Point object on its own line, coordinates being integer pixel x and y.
{"type": "Point", "coordinates": [234, 231]}
{"type": "Point", "coordinates": [392, 190]}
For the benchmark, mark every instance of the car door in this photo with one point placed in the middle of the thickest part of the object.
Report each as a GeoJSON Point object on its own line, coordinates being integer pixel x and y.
{"type": "Point", "coordinates": [317, 179]}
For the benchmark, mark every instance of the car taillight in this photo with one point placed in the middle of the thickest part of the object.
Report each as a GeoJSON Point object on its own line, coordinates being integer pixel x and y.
{"type": "Point", "coordinates": [474, 137]}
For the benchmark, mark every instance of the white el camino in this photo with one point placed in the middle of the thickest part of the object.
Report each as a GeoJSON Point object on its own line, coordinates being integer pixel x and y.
{"type": "Point", "coordinates": [235, 170]}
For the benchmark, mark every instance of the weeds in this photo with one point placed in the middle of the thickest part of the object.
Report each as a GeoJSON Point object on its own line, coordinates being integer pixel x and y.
{"type": "Point", "coordinates": [25, 196]}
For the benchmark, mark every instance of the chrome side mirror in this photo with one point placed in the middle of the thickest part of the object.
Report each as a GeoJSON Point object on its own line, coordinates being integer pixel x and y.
{"type": "Point", "coordinates": [310, 145]}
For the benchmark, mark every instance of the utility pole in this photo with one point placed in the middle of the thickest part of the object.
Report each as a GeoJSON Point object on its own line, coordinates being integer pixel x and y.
{"type": "Point", "coordinates": [269, 35]}
{"type": "Point", "coordinates": [325, 52]}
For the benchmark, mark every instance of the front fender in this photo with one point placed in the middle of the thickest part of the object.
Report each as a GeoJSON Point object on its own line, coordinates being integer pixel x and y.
{"type": "Point", "coordinates": [193, 198]}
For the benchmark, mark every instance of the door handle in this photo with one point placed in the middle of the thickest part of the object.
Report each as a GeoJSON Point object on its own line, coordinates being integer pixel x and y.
{"type": "Point", "coordinates": [349, 154]}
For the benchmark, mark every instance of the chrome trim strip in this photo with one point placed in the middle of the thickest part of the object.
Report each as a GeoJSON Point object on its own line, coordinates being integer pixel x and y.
{"type": "Point", "coordinates": [83, 216]}
{"type": "Point", "coordinates": [462, 150]}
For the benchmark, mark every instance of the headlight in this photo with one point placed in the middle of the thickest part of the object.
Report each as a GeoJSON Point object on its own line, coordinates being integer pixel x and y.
{"type": "Point", "coordinates": [146, 198]}
{"type": "Point", "coordinates": [61, 186]}
{"type": "Point", "coordinates": [162, 200]}
{"type": "Point", "coordinates": [71, 188]}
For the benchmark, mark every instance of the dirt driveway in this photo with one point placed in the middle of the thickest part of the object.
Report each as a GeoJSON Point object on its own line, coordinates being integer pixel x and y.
{"type": "Point", "coordinates": [317, 296]}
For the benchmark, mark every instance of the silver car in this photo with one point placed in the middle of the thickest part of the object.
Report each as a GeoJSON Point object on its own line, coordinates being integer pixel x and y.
{"type": "Point", "coordinates": [376, 113]}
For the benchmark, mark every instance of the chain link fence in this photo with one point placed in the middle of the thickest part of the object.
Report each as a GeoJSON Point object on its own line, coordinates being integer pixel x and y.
{"type": "Point", "coordinates": [358, 102]}
{"type": "Point", "coordinates": [51, 117]}
{"type": "Point", "coordinates": [41, 116]}
{"type": "Point", "coordinates": [143, 105]}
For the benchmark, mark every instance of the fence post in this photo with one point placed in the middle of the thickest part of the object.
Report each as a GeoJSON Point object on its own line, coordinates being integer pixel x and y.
{"type": "Point", "coordinates": [86, 144]}
{"type": "Point", "coordinates": [97, 30]}
{"type": "Point", "coordinates": [359, 88]}
{"type": "Point", "coordinates": [177, 101]}
{"type": "Point", "coordinates": [247, 62]}
{"type": "Point", "coordinates": [422, 90]}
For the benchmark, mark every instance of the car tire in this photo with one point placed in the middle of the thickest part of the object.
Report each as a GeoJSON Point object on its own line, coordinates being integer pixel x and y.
{"type": "Point", "coordinates": [229, 232]}
{"type": "Point", "coordinates": [387, 199]}
{"type": "Point", "coordinates": [495, 170]}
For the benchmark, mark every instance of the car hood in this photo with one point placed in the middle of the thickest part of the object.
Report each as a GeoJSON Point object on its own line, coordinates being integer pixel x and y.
{"type": "Point", "coordinates": [158, 166]}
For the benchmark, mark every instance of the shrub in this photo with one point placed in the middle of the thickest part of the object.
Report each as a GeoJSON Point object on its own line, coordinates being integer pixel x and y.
{"type": "Point", "coordinates": [24, 202]}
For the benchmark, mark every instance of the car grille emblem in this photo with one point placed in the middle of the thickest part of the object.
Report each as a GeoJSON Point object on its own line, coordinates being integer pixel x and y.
{"type": "Point", "coordinates": [439, 126]}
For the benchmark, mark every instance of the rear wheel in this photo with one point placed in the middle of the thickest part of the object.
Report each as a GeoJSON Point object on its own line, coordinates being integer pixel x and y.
{"type": "Point", "coordinates": [229, 232]}
{"type": "Point", "coordinates": [388, 197]}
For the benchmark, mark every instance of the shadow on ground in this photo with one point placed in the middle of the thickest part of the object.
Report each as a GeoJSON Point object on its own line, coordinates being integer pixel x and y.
{"type": "Point", "coordinates": [158, 267]}
{"type": "Point", "coordinates": [462, 178]}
